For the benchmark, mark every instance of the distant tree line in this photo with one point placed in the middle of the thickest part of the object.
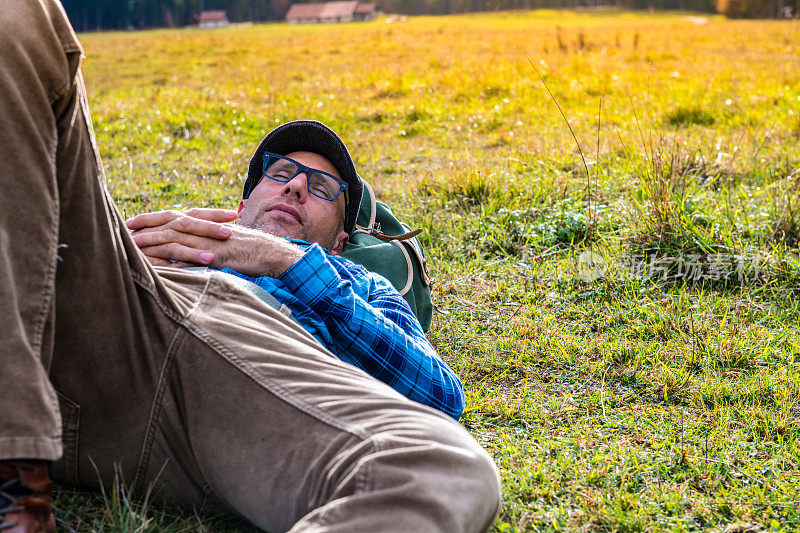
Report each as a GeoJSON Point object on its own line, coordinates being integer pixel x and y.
{"type": "Point", "coordinates": [759, 8]}
{"type": "Point", "coordinates": [87, 15]}
{"type": "Point", "coordinates": [419, 7]}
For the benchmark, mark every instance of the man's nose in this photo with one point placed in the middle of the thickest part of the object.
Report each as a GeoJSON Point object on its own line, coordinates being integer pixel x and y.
{"type": "Point", "coordinates": [297, 187]}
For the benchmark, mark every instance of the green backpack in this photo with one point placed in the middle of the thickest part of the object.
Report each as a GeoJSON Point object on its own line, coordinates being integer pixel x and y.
{"type": "Point", "coordinates": [386, 246]}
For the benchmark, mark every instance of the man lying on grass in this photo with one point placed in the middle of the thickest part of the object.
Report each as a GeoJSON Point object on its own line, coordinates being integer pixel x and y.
{"type": "Point", "coordinates": [294, 196]}
{"type": "Point", "coordinates": [238, 390]}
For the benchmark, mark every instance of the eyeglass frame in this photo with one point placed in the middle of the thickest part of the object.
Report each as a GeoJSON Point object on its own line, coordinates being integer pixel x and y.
{"type": "Point", "coordinates": [303, 169]}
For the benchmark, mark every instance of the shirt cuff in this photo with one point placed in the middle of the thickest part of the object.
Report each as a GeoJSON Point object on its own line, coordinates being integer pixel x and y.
{"type": "Point", "coordinates": [311, 276]}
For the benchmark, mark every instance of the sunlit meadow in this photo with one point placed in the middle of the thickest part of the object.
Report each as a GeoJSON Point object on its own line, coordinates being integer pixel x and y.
{"type": "Point", "coordinates": [661, 395]}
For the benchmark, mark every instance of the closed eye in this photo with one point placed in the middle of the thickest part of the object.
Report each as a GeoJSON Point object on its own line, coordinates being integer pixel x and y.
{"type": "Point", "coordinates": [282, 170]}
{"type": "Point", "coordinates": [284, 175]}
{"type": "Point", "coordinates": [323, 185]}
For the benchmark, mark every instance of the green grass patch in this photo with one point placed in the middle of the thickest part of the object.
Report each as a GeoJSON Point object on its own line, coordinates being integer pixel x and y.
{"type": "Point", "coordinates": [663, 395]}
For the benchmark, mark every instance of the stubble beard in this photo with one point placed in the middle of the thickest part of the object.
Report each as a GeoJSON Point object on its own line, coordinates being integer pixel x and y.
{"type": "Point", "coordinates": [278, 228]}
{"type": "Point", "coordinates": [262, 221]}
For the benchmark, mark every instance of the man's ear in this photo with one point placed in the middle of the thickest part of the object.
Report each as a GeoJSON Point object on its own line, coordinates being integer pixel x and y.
{"type": "Point", "coordinates": [339, 242]}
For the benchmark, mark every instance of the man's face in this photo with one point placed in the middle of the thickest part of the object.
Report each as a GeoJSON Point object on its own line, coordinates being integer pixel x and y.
{"type": "Point", "coordinates": [288, 210]}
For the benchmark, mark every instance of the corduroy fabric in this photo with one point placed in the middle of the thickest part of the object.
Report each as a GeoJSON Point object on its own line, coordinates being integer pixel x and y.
{"type": "Point", "coordinates": [181, 380]}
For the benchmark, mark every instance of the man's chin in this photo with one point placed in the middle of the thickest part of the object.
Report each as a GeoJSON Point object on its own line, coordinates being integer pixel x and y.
{"type": "Point", "coordinates": [280, 229]}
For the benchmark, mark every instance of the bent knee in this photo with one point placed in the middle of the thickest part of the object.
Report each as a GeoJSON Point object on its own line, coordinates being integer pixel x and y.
{"type": "Point", "coordinates": [475, 482]}
{"type": "Point", "coordinates": [443, 471]}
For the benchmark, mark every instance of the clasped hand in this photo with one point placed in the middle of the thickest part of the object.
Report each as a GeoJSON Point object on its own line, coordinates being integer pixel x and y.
{"type": "Point", "coordinates": [205, 237]}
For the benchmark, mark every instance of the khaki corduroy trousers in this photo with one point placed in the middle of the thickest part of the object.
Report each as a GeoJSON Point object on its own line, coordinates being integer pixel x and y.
{"type": "Point", "coordinates": [187, 382]}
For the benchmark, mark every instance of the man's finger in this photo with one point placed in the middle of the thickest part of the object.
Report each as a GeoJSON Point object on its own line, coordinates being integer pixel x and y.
{"type": "Point", "coordinates": [156, 218]}
{"type": "Point", "coordinates": [187, 226]}
{"type": "Point", "coordinates": [200, 228]}
{"type": "Point", "coordinates": [212, 215]}
{"type": "Point", "coordinates": [164, 236]}
{"type": "Point", "coordinates": [206, 225]}
{"type": "Point", "coordinates": [178, 252]}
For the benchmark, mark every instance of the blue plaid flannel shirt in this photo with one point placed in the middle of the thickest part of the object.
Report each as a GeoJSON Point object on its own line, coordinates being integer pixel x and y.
{"type": "Point", "coordinates": [364, 321]}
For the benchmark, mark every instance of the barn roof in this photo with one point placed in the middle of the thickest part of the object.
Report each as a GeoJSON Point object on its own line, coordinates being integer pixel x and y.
{"type": "Point", "coordinates": [365, 7]}
{"type": "Point", "coordinates": [213, 16]}
{"type": "Point", "coordinates": [305, 11]}
{"type": "Point", "coordinates": [344, 8]}
{"type": "Point", "coordinates": [324, 10]}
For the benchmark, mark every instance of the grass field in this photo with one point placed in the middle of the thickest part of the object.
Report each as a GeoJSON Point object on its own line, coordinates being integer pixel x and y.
{"type": "Point", "coordinates": [661, 396]}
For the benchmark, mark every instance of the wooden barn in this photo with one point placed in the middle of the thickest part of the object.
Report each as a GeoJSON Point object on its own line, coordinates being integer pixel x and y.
{"type": "Point", "coordinates": [213, 19]}
{"type": "Point", "coordinates": [338, 11]}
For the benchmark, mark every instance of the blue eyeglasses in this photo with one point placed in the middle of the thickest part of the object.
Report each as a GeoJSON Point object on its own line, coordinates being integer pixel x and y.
{"type": "Point", "coordinates": [320, 184]}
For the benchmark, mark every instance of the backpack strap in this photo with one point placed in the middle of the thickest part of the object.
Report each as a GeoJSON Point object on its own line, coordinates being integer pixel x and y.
{"type": "Point", "coordinates": [409, 267]}
{"type": "Point", "coordinates": [374, 229]}
{"type": "Point", "coordinates": [373, 206]}
{"type": "Point", "coordinates": [375, 249]}
{"type": "Point", "coordinates": [388, 238]}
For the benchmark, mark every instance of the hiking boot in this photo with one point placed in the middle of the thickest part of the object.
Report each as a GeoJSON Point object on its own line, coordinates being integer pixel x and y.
{"type": "Point", "coordinates": [25, 497]}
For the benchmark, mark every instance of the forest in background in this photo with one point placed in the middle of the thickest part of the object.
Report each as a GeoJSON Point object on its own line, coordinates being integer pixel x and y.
{"type": "Point", "coordinates": [92, 15]}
